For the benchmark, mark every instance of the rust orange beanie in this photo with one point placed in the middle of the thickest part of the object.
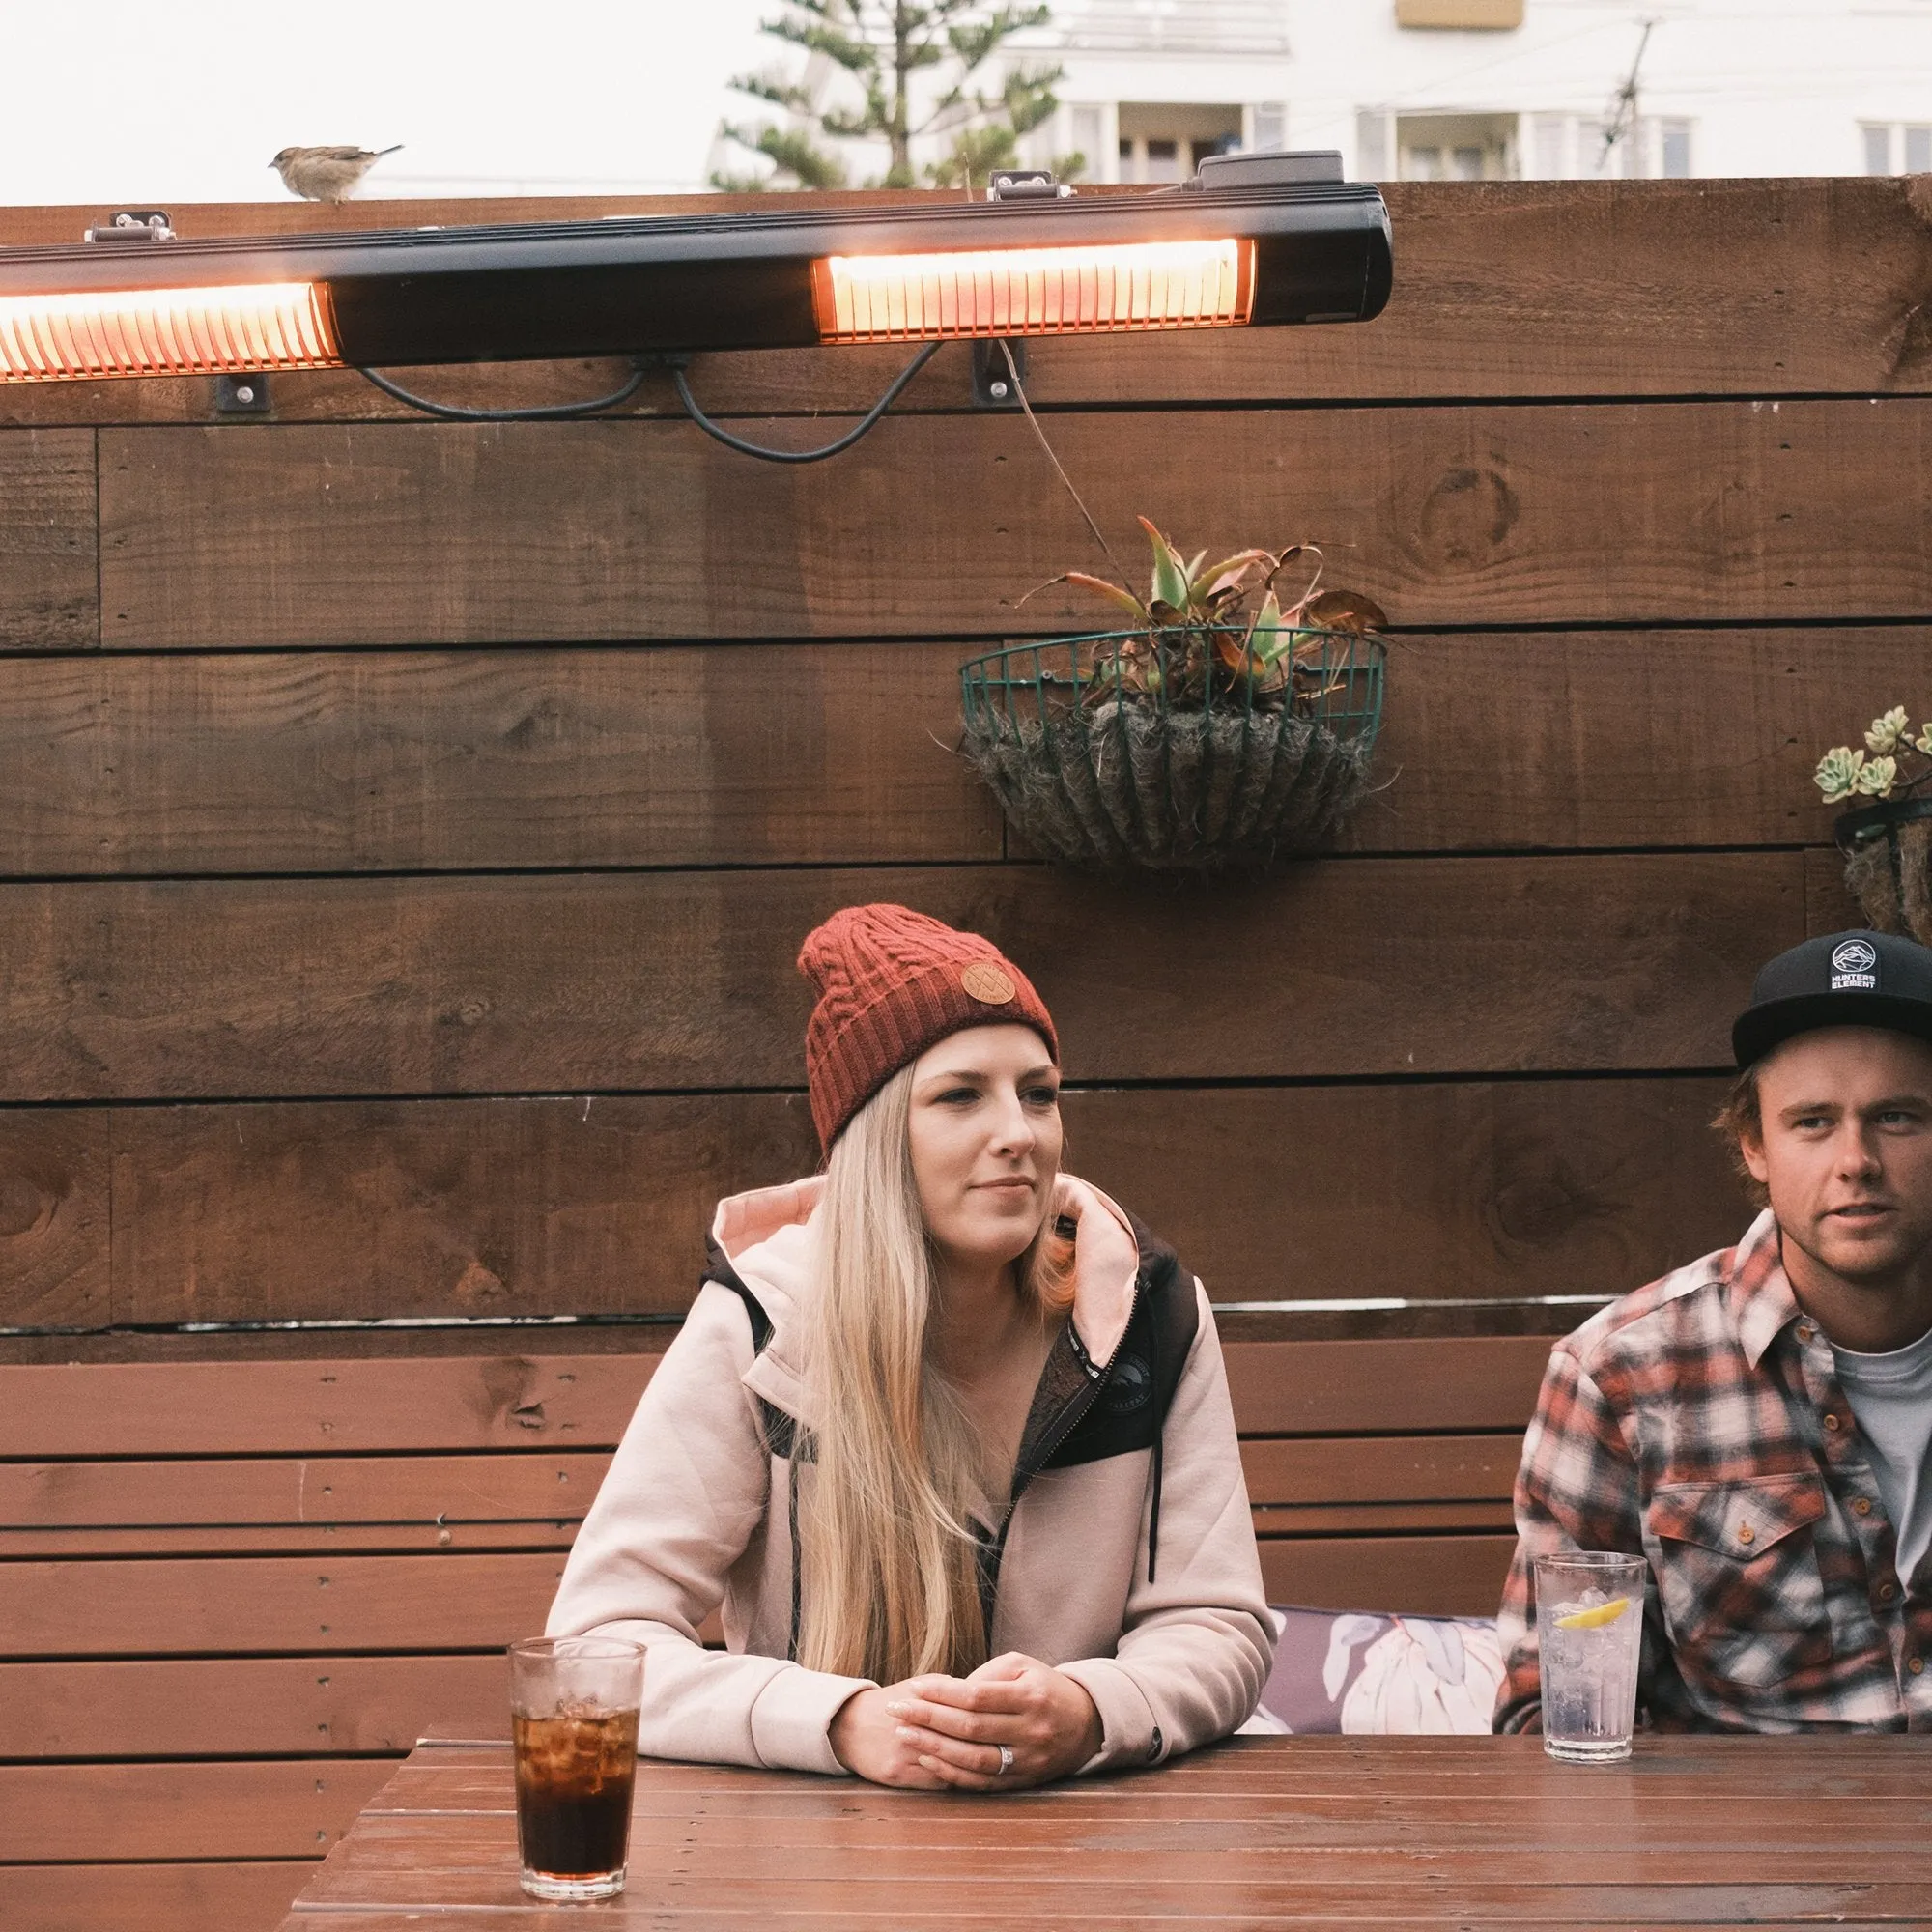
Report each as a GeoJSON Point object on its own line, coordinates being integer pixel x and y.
{"type": "Point", "coordinates": [891, 983]}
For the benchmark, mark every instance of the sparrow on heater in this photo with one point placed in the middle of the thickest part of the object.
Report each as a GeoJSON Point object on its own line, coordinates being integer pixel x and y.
{"type": "Point", "coordinates": [326, 174]}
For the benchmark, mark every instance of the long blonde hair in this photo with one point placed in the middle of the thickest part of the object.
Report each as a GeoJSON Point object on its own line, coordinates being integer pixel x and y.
{"type": "Point", "coordinates": [889, 1563]}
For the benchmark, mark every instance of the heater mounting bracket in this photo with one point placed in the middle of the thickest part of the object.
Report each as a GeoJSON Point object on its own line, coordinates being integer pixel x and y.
{"type": "Point", "coordinates": [992, 380]}
{"type": "Point", "coordinates": [133, 224]}
{"type": "Point", "coordinates": [1026, 184]}
{"type": "Point", "coordinates": [243, 395]}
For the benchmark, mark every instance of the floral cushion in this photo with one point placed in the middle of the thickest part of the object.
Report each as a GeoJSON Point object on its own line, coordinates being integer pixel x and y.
{"type": "Point", "coordinates": [1363, 1671]}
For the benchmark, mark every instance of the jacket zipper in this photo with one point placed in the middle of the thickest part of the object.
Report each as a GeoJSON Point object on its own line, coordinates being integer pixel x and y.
{"type": "Point", "coordinates": [1064, 1425]}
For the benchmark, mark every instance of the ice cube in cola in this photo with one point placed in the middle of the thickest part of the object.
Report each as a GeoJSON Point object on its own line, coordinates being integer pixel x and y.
{"type": "Point", "coordinates": [574, 1779]}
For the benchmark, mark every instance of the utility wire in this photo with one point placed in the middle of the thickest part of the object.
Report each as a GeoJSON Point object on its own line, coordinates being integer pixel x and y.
{"type": "Point", "coordinates": [1622, 102]}
{"type": "Point", "coordinates": [1424, 93]}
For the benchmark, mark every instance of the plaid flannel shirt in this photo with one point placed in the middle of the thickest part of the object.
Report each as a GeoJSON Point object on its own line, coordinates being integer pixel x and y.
{"type": "Point", "coordinates": [1700, 1423]}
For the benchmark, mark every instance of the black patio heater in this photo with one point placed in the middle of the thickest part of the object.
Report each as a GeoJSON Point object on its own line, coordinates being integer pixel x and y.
{"type": "Point", "coordinates": [1251, 240]}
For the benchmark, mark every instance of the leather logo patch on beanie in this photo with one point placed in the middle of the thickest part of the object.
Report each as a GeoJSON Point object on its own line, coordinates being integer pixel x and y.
{"type": "Point", "coordinates": [891, 983]}
{"type": "Point", "coordinates": [986, 983]}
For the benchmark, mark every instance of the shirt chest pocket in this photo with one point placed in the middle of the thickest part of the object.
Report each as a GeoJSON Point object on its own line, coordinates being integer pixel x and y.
{"type": "Point", "coordinates": [1737, 1577]}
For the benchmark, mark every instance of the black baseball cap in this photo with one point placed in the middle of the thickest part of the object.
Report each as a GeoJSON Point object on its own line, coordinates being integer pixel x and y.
{"type": "Point", "coordinates": [1845, 979]}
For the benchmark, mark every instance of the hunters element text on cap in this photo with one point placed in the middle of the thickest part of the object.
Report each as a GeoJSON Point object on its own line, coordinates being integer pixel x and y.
{"type": "Point", "coordinates": [1845, 979]}
{"type": "Point", "coordinates": [891, 983]}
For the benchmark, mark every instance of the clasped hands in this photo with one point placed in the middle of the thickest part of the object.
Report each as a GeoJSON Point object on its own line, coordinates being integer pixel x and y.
{"type": "Point", "coordinates": [929, 1733]}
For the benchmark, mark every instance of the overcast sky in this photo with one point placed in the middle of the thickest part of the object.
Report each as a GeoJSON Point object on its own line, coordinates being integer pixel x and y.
{"type": "Point", "coordinates": [137, 103]}
{"type": "Point", "coordinates": [107, 103]}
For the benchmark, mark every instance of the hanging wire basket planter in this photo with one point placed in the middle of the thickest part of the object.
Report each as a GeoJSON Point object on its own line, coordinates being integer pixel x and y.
{"type": "Point", "coordinates": [1887, 848]}
{"type": "Point", "coordinates": [1165, 751]}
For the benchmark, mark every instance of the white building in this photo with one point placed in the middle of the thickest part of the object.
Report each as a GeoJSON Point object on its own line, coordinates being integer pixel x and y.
{"type": "Point", "coordinates": [1496, 89]}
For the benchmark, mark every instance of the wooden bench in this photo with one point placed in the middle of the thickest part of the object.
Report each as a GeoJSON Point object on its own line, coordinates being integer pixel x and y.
{"type": "Point", "coordinates": [233, 1593]}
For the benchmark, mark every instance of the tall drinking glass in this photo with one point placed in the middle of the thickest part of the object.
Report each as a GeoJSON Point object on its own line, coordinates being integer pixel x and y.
{"type": "Point", "coordinates": [1589, 1634]}
{"type": "Point", "coordinates": [574, 1704]}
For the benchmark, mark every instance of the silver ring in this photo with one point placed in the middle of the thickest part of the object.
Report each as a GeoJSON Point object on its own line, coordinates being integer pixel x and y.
{"type": "Point", "coordinates": [1006, 1760]}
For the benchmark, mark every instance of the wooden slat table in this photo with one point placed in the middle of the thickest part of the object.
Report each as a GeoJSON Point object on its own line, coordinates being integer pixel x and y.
{"type": "Point", "coordinates": [1258, 1832]}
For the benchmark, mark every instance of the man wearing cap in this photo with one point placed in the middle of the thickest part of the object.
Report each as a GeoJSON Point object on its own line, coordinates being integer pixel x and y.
{"type": "Point", "coordinates": [1758, 1425]}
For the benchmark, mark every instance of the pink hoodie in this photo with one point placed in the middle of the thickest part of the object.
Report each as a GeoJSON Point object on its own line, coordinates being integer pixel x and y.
{"type": "Point", "coordinates": [1127, 1560]}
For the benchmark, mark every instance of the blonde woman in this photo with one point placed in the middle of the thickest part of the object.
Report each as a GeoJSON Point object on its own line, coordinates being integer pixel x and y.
{"type": "Point", "coordinates": [944, 1433]}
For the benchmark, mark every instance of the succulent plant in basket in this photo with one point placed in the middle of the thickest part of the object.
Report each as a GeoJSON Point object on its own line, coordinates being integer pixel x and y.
{"type": "Point", "coordinates": [1887, 839]}
{"type": "Point", "coordinates": [1230, 724]}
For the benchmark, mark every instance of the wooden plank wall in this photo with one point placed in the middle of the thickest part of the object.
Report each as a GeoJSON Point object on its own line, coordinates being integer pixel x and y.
{"type": "Point", "coordinates": [407, 828]}
{"type": "Point", "coordinates": [428, 813]}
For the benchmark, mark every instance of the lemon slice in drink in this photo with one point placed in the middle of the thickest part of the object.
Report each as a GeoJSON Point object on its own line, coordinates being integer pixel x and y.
{"type": "Point", "coordinates": [1596, 1617]}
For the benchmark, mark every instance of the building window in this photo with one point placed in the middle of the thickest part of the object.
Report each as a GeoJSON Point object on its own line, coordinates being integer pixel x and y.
{"type": "Point", "coordinates": [1087, 135]}
{"type": "Point", "coordinates": [1548, 146]}
{"type": "Point", "coordinates": [1372, 145]}
{"type": "Point", "coordinates": [1267, 128]}
{"type": "Point", "coordinates": [1577, 147]}
{"type": "Point", "coordinates": [1893, 148]}
{"type": "Point", "coordinates": [1454, 147]}
{"type": "Point", "coordinates": [1167, 141]}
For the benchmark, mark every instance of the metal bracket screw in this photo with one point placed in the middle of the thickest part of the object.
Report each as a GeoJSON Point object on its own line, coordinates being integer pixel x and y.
{"type": "Point", "coordinates": [992, 380]}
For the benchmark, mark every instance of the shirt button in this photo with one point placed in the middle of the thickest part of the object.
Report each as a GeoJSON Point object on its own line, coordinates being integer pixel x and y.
{"type": "Point", "coordinates": [1746, 1533]}
{"type": "Point", "coordinates": [1806, 1331]}
{"type": "Point", "coordinates": [1863, 1505]}
{"type": "Point", "coordinates": [1833, 1422]}
{"type": "Point", "coordinates": [1886, 1592]}
{"type": "Point", "coordinates": [1916, 1666]}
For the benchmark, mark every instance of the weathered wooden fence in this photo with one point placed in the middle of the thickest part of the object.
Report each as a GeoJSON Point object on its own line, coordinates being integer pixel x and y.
{"type": "Point", "coordinates": [407, 830]}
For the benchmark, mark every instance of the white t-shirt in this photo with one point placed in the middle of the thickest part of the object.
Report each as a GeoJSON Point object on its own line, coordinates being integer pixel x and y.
{"type": "Point", "coordinates": [1892, 1397]}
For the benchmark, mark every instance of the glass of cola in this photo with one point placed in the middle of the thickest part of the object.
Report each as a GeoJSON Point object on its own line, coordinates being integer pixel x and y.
{"type": "Point", "coordinates": [574, 1704]}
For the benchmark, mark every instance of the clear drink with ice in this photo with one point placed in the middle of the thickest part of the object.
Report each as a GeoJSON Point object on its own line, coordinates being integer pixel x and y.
{"type": "Point", "coordinates": [1589, 1633]}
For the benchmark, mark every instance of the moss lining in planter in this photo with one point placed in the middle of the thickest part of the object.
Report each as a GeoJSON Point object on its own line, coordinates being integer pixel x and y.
{"type": "Point", "coordinates": [1097, 773]}
{"type": "Point", "coordinates": [1887, 849]}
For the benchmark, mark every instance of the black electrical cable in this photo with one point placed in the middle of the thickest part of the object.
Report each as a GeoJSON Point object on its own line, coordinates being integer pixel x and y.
{"type": "Point", "coordinates": [549, 412]}
{"type": "Point", "coordinates": [677, 364]}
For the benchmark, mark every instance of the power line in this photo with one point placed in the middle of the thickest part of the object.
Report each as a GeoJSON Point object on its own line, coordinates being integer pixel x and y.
{"type": "Point", "coordinates": [1422, 93]}
{"type": "Point", "coordinates": [1622, 115]}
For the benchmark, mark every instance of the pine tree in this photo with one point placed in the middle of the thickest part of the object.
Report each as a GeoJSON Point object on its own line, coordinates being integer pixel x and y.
{"type": "Point", "coordinates": [916, 70]}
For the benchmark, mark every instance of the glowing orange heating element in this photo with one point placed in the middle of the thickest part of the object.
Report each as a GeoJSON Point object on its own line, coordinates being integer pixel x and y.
{"type": "Point", "coordinates": [166, 332]}
{"type": "Point", "coordinates": [1034, 291]}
